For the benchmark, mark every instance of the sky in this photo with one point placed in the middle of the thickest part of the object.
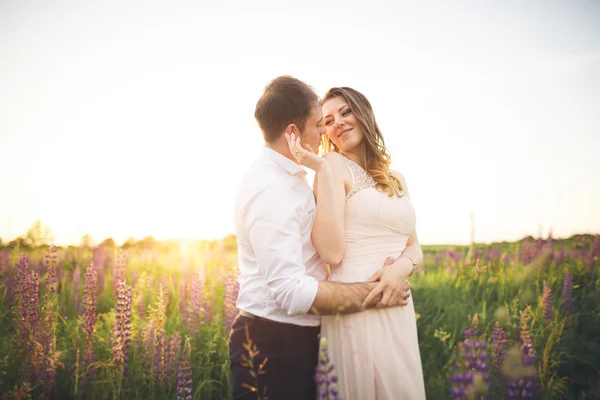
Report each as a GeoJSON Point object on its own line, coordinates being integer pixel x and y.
{"type": "Point", "coordinates": [133, 118]}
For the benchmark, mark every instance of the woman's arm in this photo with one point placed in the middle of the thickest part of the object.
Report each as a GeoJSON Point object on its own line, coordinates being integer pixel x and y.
{"type": "Point", "coordinates": [413, 247]}
{"type": "Point", "coordinates": [328, 234]}
{"type": "Point", "coordinates": [331, 175]}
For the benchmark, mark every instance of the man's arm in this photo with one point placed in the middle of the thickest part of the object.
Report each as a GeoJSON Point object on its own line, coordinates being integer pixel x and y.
{"type": "Point", "coordinates": [273, 224]}
{"type": "Point", "coordinates": [346, 298]}
{"type": "Point", "coordinates": [342, 298]}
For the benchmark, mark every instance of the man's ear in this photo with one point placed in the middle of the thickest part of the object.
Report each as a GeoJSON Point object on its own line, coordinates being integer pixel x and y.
{"type": "Point", "coordinates": [292, 128]}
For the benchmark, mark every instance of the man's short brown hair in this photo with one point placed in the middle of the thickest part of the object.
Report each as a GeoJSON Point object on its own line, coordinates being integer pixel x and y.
{"type": "Point", "coordinates": [285, 101]}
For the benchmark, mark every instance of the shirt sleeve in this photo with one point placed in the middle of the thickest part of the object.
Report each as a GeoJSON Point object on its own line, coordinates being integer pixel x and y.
{"type": "Point", "coordinates": [274, 231]}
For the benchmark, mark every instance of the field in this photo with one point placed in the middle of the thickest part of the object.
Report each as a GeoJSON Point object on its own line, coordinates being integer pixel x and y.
{"type": "Point", "coordinates": [150, 320]}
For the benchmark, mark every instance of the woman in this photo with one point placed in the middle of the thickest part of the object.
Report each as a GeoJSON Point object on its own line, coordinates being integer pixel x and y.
{"type": "Point", "coordinates": [366, 217]}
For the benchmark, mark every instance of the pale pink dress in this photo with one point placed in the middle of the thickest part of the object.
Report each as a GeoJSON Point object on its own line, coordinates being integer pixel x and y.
{"type": "Point", "coordinates": [375, 352]}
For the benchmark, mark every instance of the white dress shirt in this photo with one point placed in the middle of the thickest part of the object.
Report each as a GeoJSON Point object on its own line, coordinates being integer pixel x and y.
{"type": "Point", "coordinates": [279, 267]}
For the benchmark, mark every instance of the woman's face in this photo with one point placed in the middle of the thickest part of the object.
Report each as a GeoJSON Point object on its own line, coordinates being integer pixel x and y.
{"type": "Point", "coordinates": [341, 126]}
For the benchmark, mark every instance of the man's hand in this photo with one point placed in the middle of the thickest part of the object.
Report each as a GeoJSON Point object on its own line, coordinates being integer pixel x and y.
{"type": "Point", "coordinates": [393, 284]}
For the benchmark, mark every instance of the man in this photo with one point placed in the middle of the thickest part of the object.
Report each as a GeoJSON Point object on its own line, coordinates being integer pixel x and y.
{"type": "Point", "coordinates": [283, 286]}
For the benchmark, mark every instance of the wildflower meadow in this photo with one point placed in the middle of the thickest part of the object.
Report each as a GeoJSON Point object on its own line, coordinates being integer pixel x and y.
{"type": "Point", "coordinates": [150, 320]}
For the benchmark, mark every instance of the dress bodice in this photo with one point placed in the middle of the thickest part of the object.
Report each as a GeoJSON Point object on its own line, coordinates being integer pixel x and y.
{"type": "Point", "coordinates": [376, 225]}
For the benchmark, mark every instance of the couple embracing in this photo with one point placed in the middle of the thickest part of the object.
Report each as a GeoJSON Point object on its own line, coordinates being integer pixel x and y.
{"type": "Point", "coordinates": [331, 263]}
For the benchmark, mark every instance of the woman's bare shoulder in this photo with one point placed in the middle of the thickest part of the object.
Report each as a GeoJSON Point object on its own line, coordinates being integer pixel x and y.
{"type": "Point", "coordinates": [398, 175]}
{"type": "Point", "coordinates": [333, 156]}
{"type": "Point", "coordinates": [335, 160]}
{"type": "Point", "coordinates": [401, 178]}
{"type": "Point", "coordinates": [338, 164]}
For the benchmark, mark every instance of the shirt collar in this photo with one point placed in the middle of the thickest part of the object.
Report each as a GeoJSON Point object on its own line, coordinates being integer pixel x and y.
{"type": "Point", "coordinates": [291, 167]}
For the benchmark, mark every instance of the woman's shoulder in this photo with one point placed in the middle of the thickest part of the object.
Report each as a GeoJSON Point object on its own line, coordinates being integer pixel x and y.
{"type": "Point", "coordinates": [397, 174]}
{"type": "Point", "coordinates": [333, 156]}
{"type": "Point", "coordinates": [338, 165]}
{"type": "Point", "coordinates": [401, 178]}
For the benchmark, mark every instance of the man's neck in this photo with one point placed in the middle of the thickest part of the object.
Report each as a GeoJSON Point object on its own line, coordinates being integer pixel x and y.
{"type": "Point", "coordinates": [283, 149]}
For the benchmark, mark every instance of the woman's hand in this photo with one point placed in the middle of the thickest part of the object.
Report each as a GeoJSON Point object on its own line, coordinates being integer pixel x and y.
{"type": "Point", "coordinates": [306, 157]}
{"type": "Point", "coordinates": [393, 283]}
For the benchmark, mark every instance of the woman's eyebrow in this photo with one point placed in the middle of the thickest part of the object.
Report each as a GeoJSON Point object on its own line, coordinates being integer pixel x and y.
{"type": "Point", "coordinates": [339, 109]}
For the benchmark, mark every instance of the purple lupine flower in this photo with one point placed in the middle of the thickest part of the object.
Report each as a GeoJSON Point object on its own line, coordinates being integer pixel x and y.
{"type": "Point", "coordinates": [160, 350]}
{"type": "Point", "coordinates": [195, 307]}
{"type": "Point", "coordinates": [522, 388]}
{"type": "Point", "coordinates": [122, 328]}
{"type": "Point", "coordinates": [232, 288]}
{"type": "Point", "coordinates": [438, 257]}
{"type": "Point", "coordinates": [90, 288]}
{"type": "Point", "coordinates": [118, 272]}
{"type": "Point", "coordinates": [17, 284]}
{"type": "Point", "coordinates": [30, 325]}
{"type": "Point", "coordinates": [526, 385]}
{"type": "Point", "coordinates": [99, 260]}
{"type": "Point", "coordinates": [30, 308]}
{"type": "Point", "coordinates": [184, 374]}
{"type": "Point", "coordinates": [29, 300]}
{"type": "Point", "coordinates": [472, 367]}
{"type": "Point", "coordinates": [51, 278]}
{"type": "Point", "coordinates": [26, 309]}
{"type": "Point", "coordinates": [46, 336]}
{"type": "Point", "coordinates": [454, 255]}
{"type": "Point", "coordinates": [494, 253]}
{"type": "Point", "coordinates": [325, 376]}
{"type": "Point", "coordinates": [147, 344]}
{"type": "Point", "coordinates": [173, 355]}
{"type": "Point", "coordinates": [568, 292]}
{"type": "Point", "coordinates": [499, 345]}
{"type": "Point", "coordinates": [48, 366]}
{"type": "Point", "coordinates": [547, 303]}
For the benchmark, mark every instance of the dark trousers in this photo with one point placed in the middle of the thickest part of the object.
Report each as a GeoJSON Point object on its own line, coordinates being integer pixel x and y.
{"type": "Point", "coordinates": [291, 352]}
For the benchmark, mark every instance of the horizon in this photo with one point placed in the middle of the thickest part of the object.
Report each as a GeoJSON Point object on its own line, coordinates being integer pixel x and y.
{"type": "Point", "coordinates": [96, 242]}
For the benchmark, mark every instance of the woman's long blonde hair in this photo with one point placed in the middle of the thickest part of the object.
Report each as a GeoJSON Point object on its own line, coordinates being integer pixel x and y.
{"type": "Point", "coordinates": [376, 157]}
